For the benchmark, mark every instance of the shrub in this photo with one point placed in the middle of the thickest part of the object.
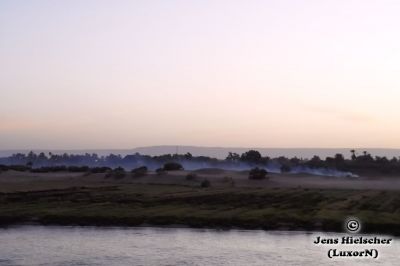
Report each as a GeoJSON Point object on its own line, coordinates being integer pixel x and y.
{"type": "Point", "coordinates": [205, 183]}
{"type": "Point", "coordinates": [257, 173]}
{"type": "Point", "coordinates": [78, 169]}
{"type": "Point", "coordinates": [161, 171]}
{"type": "Point", "coordinates": [285, 168]}
{"type": "Point", "coordinates": [20, 168]}
{"type": "Point", "coordinates": [97, 170]}
{"type": "Point", "coordinates": [40, 170]}
{"type": "Point", "coordinates": [172, 166]}
{"type": "Point", "coordinates": [140, 171]}
{"type": "Point", "coordinates": [47, 169]}
{"type": "Point", "coordinates": [117, 173]}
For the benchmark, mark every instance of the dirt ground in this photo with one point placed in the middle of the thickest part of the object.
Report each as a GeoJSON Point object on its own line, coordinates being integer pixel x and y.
{"type": "Point", "coordinates": [11, 181]}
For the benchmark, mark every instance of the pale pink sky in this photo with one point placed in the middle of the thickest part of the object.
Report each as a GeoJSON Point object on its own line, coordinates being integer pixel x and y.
{"type": "Point", "coordinates": [121, 74]}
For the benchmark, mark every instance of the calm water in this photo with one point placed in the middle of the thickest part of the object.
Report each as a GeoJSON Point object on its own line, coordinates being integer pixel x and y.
{"type": "Point", "coordinates": [38, 245]}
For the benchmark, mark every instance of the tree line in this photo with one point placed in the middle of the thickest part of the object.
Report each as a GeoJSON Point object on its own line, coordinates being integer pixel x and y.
{"type": "Point", "coordinates": [357, 162]}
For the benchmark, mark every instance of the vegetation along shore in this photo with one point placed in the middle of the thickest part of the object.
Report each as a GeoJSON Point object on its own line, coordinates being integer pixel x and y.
{"type": "Point", "coordinates": [217, 197]}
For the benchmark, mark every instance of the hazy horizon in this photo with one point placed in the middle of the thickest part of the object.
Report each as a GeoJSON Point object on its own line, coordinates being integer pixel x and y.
{"type": "Point", "coordinates": [218, 152]}
{"type": "Point", "coordinates": [127, 74]}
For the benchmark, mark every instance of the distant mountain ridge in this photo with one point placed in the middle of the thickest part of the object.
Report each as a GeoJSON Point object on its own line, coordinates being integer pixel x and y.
{"type": "Point", "coordinates": [220, 152]}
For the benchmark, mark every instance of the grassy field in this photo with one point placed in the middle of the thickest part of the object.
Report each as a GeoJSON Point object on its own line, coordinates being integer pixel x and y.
{"type": "Point", "coordinates": [186, 203]}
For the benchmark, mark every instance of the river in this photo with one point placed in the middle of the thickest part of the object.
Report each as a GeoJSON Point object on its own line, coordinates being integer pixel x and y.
{"type": "Point", "coordinates": [56, 245]}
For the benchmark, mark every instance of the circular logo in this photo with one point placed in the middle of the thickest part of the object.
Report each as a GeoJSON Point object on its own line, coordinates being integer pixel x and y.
{"type": "Point", "coordinates": [353, 225]}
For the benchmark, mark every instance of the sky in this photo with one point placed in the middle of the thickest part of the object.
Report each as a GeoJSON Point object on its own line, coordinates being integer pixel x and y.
{"type": "Point", "coordinates": [121, 74]}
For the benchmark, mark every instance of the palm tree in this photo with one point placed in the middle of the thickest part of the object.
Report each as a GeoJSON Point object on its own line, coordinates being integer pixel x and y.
{"type": "Point", "coordinates": [353, 155]}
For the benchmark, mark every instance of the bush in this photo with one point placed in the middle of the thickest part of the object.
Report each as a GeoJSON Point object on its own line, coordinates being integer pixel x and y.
{"type": "Point", "coordinates": [257, 173]}
{"type": "Point", "coordinates": [140, 171]}
{"type": "Point", "coordinates": [285, 168]}
{"type": "Point", "coordinates": [47, 169]}
{"type": "Point", "coordinates": [20, 168]}
{"type": "Point", "coordinates": [172, 166]}
{"type": "Point", "coordinates": [161, 171]}
{"type": "Point", "coordinates": [117, 173]}
{"type": "Point", "coordinates": [40, 170]}
{"type": "Point", "coordinates": [60, 168]}
{"type": "Point", "coordinates": [78, 169]}
{"type": "Point", "coordinates": [205, 183]}
{"type": "Point", "coordinates": [98, 170]}
{"type": "Point", "coordinates": [191, 176]}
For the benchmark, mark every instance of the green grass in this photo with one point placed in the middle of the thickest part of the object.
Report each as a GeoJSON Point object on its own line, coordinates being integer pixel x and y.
{"type": "Point", "coordinates": [268, 208]}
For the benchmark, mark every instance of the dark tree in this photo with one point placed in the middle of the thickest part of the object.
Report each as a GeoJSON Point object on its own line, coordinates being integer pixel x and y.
{"type": "Point", "coordinates": [353, 155]}
{"type": "Point", "coordinates": [172, 166]}
{"type": "Point", "coordinates": [257, 173]}
{"type": "Point", "coordinates": [315, 162]}
{"type": "Point", "coordinates": [339, 158]}
{"type": "Point", "coordinates": [140, 171]}
{"type": "Point", "coordinates": [188, 156]}
{"type": "Point", "coordinates": [251, 156]}
{"type": "Point", "coordinates": [233, 157]}
{"type": "Point", "coordinates": [285, 168]}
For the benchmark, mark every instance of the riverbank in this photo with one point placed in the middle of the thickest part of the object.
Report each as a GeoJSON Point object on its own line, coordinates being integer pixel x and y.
{"type": "Point", "coordinates": [268, 208]}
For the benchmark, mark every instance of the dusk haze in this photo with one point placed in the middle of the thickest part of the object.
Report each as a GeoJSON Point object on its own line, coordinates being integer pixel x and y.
{"type": "Point", "coordinates": [123, 74]}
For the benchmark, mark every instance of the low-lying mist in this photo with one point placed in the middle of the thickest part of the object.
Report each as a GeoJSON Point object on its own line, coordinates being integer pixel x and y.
{"type": "Point", "coordinates": [233, 162]}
